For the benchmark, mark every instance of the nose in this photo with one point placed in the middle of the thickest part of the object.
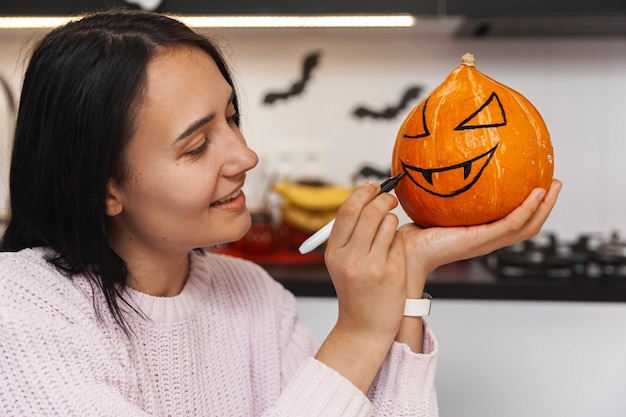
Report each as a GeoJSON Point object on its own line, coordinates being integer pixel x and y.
{"type": "Point", "coordinates": [251, 158]}
{"type": "Point", "coordinates": [241, 157]}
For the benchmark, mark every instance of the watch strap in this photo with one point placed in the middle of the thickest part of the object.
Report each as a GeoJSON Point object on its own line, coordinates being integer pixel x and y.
{"type": "Point", "coordinates": [418, 307]}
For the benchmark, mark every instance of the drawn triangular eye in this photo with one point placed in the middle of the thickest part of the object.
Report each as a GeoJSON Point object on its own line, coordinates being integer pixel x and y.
{"type": "Point", "coordinates": [417, 123]}
{"type": "Point", "coordinates": [490, 114]}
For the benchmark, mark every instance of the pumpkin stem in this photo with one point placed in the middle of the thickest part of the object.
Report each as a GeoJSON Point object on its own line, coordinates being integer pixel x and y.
{"type": "Point", "coordinates": [468, 59]}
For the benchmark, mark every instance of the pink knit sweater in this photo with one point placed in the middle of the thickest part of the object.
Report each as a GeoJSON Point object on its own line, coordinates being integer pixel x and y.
{"type": "Point", "coordinates": [229, 344]}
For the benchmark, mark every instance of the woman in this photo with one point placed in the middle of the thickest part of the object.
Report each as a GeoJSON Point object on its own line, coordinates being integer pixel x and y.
{"type": "Point", "coordinates": [127, 159]}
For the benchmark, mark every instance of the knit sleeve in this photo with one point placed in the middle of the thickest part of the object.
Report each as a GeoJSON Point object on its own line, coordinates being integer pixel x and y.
{"type": "Point", "coordinates": [50, 367]}
{"type": "Point", "coordinates": [405, 384]}
{"type": "Point", "coordinates": [311, 388]}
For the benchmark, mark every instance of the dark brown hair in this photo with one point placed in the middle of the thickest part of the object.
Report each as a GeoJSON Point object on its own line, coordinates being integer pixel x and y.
{"type": "Point", "coordinates": [74, 121]}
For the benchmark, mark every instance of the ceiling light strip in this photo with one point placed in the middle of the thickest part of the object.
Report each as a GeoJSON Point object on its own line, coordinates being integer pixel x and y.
{"type": "Point", "coordinates": [33, 22]}
{"type": "Point", "coordinates": [330, 21]}
{"type": "Point", "coordinates": [300, 21]}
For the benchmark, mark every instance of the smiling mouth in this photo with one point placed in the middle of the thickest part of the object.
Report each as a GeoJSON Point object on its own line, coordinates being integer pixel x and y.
{"type": "Point", "coordinates": [227, 199]}
{"type": "Point", "coordinates": [458, 178]}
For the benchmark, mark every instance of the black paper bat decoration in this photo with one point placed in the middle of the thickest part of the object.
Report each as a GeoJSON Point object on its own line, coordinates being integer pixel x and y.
{"type": "Point", "coordinates": [368, 171]}
{"type": "Point", "coordinates": [391, 111]}
{"type": "Point", "coordinates": [310, 62]}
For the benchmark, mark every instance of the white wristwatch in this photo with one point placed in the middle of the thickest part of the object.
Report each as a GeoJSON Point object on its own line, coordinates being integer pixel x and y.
{"type": "Point", "coordinates": [414, 307]}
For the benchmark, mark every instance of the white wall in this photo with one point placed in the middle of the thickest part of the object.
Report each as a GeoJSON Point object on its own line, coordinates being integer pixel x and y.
{"type": "Point", "coordinates": [519, 359]}
{"type": "Point", "coordinates": [14, 48]}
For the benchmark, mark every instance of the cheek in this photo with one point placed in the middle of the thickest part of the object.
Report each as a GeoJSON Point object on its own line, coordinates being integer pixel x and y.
{"type": "Point", "coordinates": [189, 194]}
{"type": "Point", "coordinates": [177, 190]}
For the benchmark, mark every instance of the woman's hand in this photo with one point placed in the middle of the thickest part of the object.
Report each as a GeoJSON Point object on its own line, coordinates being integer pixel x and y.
{"type": "Point", "coordinates": [365, 257]}
{"type": "Point", "coordinates": [427, 249]}
{"type": "Point", "coordinates": [375, 267]}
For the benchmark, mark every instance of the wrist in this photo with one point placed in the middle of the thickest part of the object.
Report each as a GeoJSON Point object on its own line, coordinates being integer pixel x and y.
{"type": "Point", "coordinates": [411, 326]}
{"type": "Point", "coordinates": [411, 333]}
{"type": "Point", "coordinates": [355, 355]}
{"type": "Point", "coordinates": [415, 285]}
{"type": "Point", "coordinates": [417, 307]}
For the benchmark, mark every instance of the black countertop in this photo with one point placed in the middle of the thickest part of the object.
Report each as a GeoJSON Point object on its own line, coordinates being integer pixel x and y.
{"type": "Point", "coordinates": [471, 279]}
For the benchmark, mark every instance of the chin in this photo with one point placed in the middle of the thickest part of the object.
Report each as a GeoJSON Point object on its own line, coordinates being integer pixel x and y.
{"type": "Point", "coordinates": [227, 231]}
{"type": "Point", "coordinates": [242, 225]}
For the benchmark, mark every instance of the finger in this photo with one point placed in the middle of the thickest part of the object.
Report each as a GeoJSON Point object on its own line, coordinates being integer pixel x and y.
{"type": "Point", "coordinates": [534, 212]}
{"type": "Point", "coordinates": [523, 222]}
{"type": "Point", "coordinates": [539, 217]}
{"type": "Point", "coordinates": [397, 274]}
{"type": "Point", "coordinates": [386, 235]}
{"type": "Point", "coordinates": [519, 217]}
{"type": "Point", "coordinates": [370, 220]}
{"type": "Point", "coordinates": [349, 212]}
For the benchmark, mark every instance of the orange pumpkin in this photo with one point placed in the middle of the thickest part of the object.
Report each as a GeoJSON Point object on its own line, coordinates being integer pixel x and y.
{"type": "Point", "coordinates": [472, 151]}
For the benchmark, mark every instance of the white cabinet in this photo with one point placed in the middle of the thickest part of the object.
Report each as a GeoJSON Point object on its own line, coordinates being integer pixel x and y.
{"type": "Point", "coordinates": [520, 358]}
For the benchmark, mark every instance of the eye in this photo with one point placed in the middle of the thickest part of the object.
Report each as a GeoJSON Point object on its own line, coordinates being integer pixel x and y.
{"type": "Point", "coordinates": [419, 128]}
{"type": "Point", "coordinates": [232, 112]}
{"type": "Point", "coordinates": [199, 149]}
{"type": "Point", "coordinates": [233, 119]}
{"type": "Point", "coordinates": [489, 114]}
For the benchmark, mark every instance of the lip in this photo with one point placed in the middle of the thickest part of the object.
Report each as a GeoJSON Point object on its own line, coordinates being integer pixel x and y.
{"type": "Point", "coordinates": [235, 203]}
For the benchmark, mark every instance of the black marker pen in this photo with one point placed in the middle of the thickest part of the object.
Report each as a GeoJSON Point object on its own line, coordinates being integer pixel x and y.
{"type": "Point", "coordinates": [322, 235]}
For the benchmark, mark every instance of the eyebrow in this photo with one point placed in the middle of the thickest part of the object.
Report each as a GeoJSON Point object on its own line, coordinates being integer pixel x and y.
{"type": "Point", "coordinates": [201, 122]}
{"type": "Point", "coordinates": [195, 126]}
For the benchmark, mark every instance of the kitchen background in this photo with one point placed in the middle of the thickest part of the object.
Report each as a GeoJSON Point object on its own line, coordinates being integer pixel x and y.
{"type": "Point", "coordinates": [497, 357]}
{"type": "Point", "coordinates": [578, 85]}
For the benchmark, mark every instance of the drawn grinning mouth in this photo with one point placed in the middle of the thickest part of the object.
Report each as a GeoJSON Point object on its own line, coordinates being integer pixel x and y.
{"type": "Point", "coordinates": [427, 174]}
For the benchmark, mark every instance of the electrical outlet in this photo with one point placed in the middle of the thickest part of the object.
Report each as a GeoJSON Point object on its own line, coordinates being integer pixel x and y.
{"type": "Point", "coordinates": [296, 161]}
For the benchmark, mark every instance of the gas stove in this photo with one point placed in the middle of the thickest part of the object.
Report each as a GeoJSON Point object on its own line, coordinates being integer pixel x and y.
{"type": "Point", "coordinates": [592, 255]}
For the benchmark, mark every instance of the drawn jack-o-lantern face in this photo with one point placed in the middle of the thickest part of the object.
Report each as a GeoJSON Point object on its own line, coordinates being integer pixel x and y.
{"type": "Point", "coordinates": [472, 151]}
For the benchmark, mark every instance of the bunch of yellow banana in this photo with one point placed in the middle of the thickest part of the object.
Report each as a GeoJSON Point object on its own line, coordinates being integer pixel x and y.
{"type": "Point", "coordinates": [309, 207]}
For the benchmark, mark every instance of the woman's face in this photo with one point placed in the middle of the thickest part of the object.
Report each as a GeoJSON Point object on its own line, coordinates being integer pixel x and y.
{"type": "Point", "coordinates": [187, 161]}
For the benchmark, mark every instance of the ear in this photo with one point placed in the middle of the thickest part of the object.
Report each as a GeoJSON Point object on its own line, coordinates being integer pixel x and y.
{"type": "Point", "coordinates": [113, 199]}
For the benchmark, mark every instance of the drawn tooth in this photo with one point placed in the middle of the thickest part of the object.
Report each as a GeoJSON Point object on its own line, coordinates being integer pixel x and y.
{"type": "Point", "coordinates": [428, 176]}
{"type": "Point", "coordinates": [467, 169]}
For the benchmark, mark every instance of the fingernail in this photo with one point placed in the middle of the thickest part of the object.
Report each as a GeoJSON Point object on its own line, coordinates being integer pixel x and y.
{"type": "Point", "coordinates": [541, 194]}
{"type": "Point", "coordinates": [374, 184]}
